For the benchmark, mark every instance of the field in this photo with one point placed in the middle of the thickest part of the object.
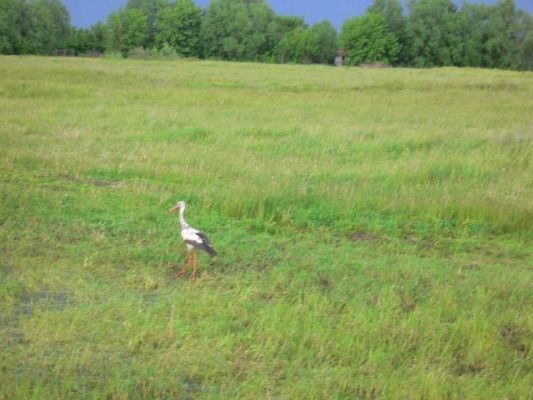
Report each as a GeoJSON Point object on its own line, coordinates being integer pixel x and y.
{"type": "Point", "coordinates": [374, 231]}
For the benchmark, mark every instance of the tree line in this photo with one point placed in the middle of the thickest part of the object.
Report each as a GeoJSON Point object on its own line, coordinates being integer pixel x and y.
{"type": "Point", "coordinates": [425, 33]}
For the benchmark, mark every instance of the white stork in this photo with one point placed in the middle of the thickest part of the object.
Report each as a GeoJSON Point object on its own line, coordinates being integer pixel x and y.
{"type": "Point", "coordinates": [194, 239]}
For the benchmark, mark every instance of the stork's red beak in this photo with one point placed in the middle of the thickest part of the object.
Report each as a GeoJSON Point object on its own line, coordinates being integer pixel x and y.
{"type": "Point", "coordinates": [172, 209]}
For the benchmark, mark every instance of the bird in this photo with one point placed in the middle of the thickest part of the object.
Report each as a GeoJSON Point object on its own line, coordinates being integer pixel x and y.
{"type": "Point", "coordinates": [194, 240]}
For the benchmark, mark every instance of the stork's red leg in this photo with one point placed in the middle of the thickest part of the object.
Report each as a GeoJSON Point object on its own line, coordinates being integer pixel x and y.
{"type": "Point", "coordinates": [194, 267]}
{"type": "Point", "coordinates": [182, 271]}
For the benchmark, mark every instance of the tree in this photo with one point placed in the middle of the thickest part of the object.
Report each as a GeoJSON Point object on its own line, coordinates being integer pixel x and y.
{"type": "Point", "coordinates": [114, 33]}
{"type": "Point", "coordinates": [151, 10]}
{"type": "Point", "coordinates": [305, 46]}
{"type": "Point", "coordinates": [495, 36]}
{"type": "Point", "coordinates": [315, 44]}
{"type": "Point", "coordinates": [433, 33]}
{"type": "Point", "coordinates": [285, 50]}
{"type": "Point", "coordinates": [97, 37]}
{"type": "Point", "coordinates": [179, 27]}
{"type": "Point", "coordinates": [85, 41]}
{"type": "Point", "coordinates": [134, 29]}
{"type": "Point", "coordinates": [525, 42]}
{"type": "Point", "coordinates": [280, 25]}
{"type": "Point", "coordinates": [474, 19]}
{"type": "Point", "coordinates": [325, 38]}
{"type": "Point", "coordinates": [366, 39]}
{"type": "Point", "coordinates": [237, 29]}
{"type": "Point", "coordinates": [11, 12]}
{"type": "Point", "coordinates": [51, 25]}
{"type": "Point", "coordinates": [36, 26]}
{"type": "Point", "coordinates": [500, 47]}
{"type": "Point", "coordinates": [78, 42]}
{"type": "Point", "coordinates": [127, 29]}
{"type": "Point", "coordinates": [392, 11]}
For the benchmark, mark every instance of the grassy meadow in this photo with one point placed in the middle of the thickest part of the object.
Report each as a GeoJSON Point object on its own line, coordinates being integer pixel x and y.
{"type": "Point", "coordinates": [374, 231]}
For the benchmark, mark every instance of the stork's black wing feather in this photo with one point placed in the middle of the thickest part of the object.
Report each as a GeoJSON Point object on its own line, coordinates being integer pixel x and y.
{"type": "Point", "coordinates": [204, 238]}
{"type": "Point", "coordinates": [205, 245]}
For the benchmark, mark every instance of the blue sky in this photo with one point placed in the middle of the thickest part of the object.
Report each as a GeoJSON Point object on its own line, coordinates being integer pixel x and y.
{"type": "Point", "coordinates": [84, 13]}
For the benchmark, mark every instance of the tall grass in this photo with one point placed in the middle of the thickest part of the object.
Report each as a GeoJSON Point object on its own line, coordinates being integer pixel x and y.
{"type": "Point", "coordinates": [373, 231]}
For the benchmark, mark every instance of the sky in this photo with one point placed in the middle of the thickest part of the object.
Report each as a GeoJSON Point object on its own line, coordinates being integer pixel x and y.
{"type": "Point", "coordinates": [84, 13]}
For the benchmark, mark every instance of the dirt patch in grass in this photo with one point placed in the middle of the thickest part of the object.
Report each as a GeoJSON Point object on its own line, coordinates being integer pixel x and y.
{"type": "Point", "coordinates": [472, 267]}
{"type": "Point", "coordinates": [421, 243]}
{"type": "Point", "coordinates": [364, 236]}
{"type": "Point", "coordinates": [517, 338]}
{"type": "Point", "coordinates": [94, 182]}
{"type": "Point", "coordinates": [47, 300]}
{"type": "Point", "coordinates": [469, 369]}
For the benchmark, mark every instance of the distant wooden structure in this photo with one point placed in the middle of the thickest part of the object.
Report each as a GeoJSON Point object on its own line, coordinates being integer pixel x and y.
{"type": "Point", "coordinates": [340, 57]}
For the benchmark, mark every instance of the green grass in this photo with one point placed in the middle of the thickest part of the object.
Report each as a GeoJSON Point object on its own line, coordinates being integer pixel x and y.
{"type": "Point", "coordinates": [373, 230]}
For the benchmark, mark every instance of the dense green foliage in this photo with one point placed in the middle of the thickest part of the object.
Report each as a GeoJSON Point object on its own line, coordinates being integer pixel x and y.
{"type": "Point", "coordinates": [179, 27]}
{"type": "Point", "coordinates": [433, 32]}
{"type": "Point", "coordinates": [128, 30]}
{"type": "Point", "coordinates": [430, 33]}
{"type": "Point", "coordinates": [315, 44]}
{"type": "Point", "coordinates": [33, 27]}
{"type": "Point", "coordinates": [151, 9]}
{"type": "Point", "coordinates": [367, 39]}
{"type": "Point", "coordinates": [392, 11]}
{"type": "Point", "coordinates": [437, 33]}
{"type": "Point", "coordinates": [373, 227]}
{"type": "Point", "coordinates": [236, 29]}
{"type": "Point", "coordinates": [87, 41]}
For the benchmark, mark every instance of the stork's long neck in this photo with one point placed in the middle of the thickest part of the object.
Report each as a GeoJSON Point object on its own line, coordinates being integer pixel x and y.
{"type": "Point", "coordinates": [182, 219]}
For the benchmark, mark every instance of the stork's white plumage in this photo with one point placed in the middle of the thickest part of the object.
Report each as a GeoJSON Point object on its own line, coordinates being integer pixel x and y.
{"type": "Point", "coordinates": [194, 239]}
